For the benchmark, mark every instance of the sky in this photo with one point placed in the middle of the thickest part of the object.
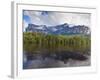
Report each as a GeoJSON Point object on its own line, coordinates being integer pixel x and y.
{"type": "Point", "coordinates": [51, 18]}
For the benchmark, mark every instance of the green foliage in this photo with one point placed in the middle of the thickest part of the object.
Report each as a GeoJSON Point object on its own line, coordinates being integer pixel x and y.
{"type": "Point", "coordinates": [39, 42]}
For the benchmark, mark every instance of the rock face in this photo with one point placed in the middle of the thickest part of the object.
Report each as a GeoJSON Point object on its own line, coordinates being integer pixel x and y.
{"type": "Point", "coordinates": [59, 29]}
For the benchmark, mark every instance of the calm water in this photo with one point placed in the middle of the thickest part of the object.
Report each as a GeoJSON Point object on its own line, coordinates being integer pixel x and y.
{"type": "Point", "coordinates": [58, 59]}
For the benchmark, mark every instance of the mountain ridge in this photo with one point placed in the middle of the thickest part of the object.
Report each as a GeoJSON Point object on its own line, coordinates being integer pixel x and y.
{"type": "Point", "coordinates": [59, 29]}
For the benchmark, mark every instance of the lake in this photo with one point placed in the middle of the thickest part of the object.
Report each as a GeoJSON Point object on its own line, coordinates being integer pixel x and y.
{"type": "Point", "coordinates": [59, 59]}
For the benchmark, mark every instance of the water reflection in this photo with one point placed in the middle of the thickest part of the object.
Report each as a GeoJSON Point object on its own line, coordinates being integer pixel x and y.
{"type": "Point", "coordinates": [56, 53]}
{"type": "Point", "coordinates": [38, 59]}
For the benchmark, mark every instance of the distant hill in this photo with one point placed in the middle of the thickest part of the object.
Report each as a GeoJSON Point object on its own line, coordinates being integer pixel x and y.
{"type": "Point", "coordinates": [63, 29]}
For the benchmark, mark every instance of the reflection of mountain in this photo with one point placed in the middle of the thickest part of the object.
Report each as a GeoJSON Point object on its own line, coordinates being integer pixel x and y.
{"type": "Point", "coordinates": [59, 29]}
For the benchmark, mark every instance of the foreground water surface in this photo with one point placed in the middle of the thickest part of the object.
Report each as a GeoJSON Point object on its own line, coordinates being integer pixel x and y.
{"type": "Point", "coordinates": [58, 59]}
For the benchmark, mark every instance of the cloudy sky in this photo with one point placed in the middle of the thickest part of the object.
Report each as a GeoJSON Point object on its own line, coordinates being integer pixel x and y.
{"type": "Point", "coordinates": [54, 18]}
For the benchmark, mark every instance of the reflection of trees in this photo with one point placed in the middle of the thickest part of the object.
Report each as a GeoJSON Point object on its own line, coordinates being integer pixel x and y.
{"type": "Point", "coordinates": [52, 43]}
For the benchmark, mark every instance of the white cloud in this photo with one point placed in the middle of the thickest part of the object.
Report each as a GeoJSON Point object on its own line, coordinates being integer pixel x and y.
{"type": "Point", "coordinates": [73, 18]}
{"type": "Point", "coordinates": [55, 18]}
{"type": "Point", "coordinates": [25, 25]}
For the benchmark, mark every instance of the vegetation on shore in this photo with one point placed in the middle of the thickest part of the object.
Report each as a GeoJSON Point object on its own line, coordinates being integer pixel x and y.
{"type": "Point", "coordinates": [33, 41]}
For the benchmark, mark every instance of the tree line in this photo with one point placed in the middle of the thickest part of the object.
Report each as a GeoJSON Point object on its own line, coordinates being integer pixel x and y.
{"type": "Point", "coordinates": [40, 41]}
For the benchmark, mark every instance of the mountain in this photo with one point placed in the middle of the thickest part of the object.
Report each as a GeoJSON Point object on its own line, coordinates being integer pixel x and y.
{"type": "Point", "coordinates": [59, 29]}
